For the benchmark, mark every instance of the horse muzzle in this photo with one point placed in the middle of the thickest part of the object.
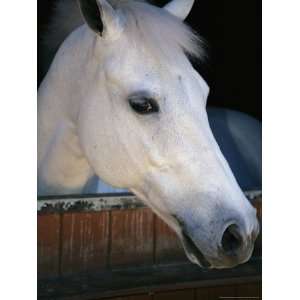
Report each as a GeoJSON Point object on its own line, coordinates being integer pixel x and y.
{"type": "Point", "coordinates": [233, 248]}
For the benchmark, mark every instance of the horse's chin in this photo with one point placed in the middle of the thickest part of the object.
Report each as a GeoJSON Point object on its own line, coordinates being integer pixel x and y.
{"type": "Point", "coordinates": [196, 256]}
{"type": "Point", "coordinates": [193, 252]}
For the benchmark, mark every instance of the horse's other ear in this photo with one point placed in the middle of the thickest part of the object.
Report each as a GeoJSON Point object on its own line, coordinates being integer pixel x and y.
{"type": "Point", "coordinates": [101, 17]}
{"type": "Point", "coordinates": [179, 8]}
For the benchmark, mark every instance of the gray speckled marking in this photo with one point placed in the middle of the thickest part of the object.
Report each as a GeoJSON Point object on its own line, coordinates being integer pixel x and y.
{"type": "Point", "coordinates": [87, 203]}
{"type": "Point", "coordinates": [94, 203]}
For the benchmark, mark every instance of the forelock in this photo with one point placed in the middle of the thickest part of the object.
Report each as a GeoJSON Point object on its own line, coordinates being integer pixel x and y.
{"type": "Point", "coordinates": [158, 30]}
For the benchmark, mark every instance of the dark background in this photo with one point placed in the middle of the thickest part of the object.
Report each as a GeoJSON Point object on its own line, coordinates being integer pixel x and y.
{"type": "Point", "coordinates": [232, 29]}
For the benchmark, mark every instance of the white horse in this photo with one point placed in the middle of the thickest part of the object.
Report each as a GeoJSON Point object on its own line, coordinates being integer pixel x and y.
{"type": "Point", "coordinates": [122, 101]}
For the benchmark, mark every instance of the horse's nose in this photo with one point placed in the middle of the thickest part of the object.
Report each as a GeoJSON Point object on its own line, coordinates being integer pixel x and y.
{"type": "Point", "coordinates": [232, 240]}
{"type": "Point", "coordinates": [235, 242]}
{"type": "Point", "coordinates": [229, 244]}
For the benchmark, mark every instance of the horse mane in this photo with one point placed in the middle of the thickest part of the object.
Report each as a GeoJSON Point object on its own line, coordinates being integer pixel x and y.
{"type": "Point", "coordinates": [147, 24]}
{"type": "Point", "coordinates": [159, 31]}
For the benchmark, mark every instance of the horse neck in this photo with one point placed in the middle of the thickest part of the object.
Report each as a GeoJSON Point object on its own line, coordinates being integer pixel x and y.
{"type": "Point", "coordinates": [62, 165]}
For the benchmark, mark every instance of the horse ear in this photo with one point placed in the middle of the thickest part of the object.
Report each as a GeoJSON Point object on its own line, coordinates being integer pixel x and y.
{"type": "Point", "coordinates": [179, 8]}
{"type": "Point", "coordinates": [101, 17]}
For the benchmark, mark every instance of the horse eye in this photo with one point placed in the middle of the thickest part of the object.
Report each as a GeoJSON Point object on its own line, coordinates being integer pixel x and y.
{"type": "Point", "coordinates": [143, 105]}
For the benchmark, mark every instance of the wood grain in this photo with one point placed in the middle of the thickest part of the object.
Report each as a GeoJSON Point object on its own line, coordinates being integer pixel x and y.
{"type": "Point", "coordinates": [131, 237]}
{"type": "Point", "coordinates": [258, 205]}
{"type": "Point", "coordinates": [176, 295]}
{"type": "Point", "coordinates": [123, 282]}
{"type": "Point", "coordinates": [216, 293]}
{"type": "Point", "coordinates": [84, 242]}
{"type": "Point", "coordinates": [202, 294]}
{"type": "Point", "coordinates": [140, 297]}
{"type": "Point", "coordinates": [118, 298]}
{"type": "Point", "coordinates": [48, 236]}
{"type": "Point", "coordinates": [133, 297]}
{"type": "Point", "coordinates": [168, 247]}
{"type": "Point", "coordinates": [252, 290]}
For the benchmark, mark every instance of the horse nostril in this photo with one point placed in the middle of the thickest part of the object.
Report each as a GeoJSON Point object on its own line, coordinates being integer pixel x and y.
{"type": "Point", "coordinates": [231, 240]}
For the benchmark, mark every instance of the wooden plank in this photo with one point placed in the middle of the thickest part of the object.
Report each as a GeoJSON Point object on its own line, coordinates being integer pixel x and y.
{"type": "Point", "coordinates": [257, 203]}
{"type": "Point", "coordinates": [141, 297]}
{"type": "Point", "coordinates": [249, 290]}
{"type": "Point", "coordinates": [176, 295]}
{"type": "Point", "coordinates": [48, 236]}
{"type": "Point", "coordinates": [221, 292]}
{"type": "Point", "coordinates": [216, 293]}
{"type": "Point", "coordinates": [134, 297]}
{"type": "Point", "coordinates": [118, 298]}
{"type": "Point", "coordinates": [246, 291]}
{"type": "Point", "coordinates": [84, 242]}
{"type": "Point", "coordinates": [131, 237]}
{"type": "Point", "coordinates": [151, 279]}
{"type": "Point", "coordinates": [168, 248]}
{"type": "Point", "coordinates": [202, 294]}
